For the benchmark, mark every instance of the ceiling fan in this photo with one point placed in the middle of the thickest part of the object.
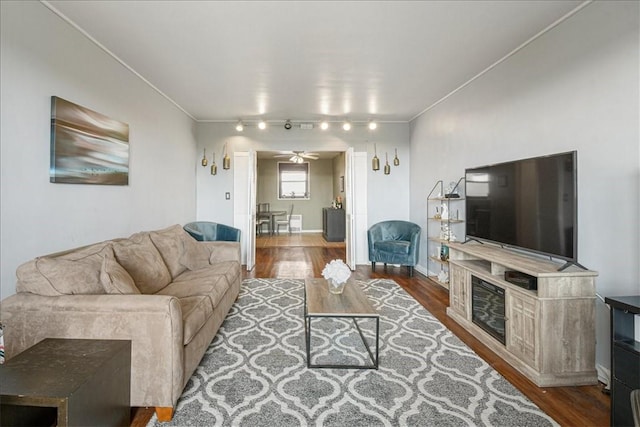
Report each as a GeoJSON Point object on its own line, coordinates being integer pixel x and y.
{"type": "Point", "coordinates": [298, 156]}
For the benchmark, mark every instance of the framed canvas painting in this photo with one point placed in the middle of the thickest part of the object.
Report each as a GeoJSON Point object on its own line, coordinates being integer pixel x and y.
{"type": "Point", "coordinates": [87, 147]}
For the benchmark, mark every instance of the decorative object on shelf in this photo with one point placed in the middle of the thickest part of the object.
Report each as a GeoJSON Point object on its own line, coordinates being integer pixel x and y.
{"type": "Point", "coordinates": [338, 202]}
{"type": "Point", "coordinates": [336, 274]}
{"type": "Point", "coordinates": [444, 212]}
{"type": "Point", "coordinates": [437, 215]}
{"type": "Point", "coordinates": [396, 160]}
{"type": "Point", "coordinates": [444, 253]}
{"type": "Point", "coordinates": [387, 168]}
{"type": "Point", "coordinates": [375, 162]}
{"type": "Point", "coordinates": [443, 276]}
{"type": "Point", "coordinates": [204, 161]}
{"type": "Point", "coordinates": [452, 191]}
{"type": "Point", "coordinates": [444, 231]}
{"type": "Point", "coordinates": [226, 161]}
{"type": "Point", "coordinates": [214, 167]}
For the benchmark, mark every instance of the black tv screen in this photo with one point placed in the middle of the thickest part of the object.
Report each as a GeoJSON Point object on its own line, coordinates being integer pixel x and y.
{"type": "Point", "coordinates": [529, 204]}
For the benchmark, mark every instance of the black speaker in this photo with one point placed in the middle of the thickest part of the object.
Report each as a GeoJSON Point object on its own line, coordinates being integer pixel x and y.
{"type": "Point", "coordinates": [521, 279]}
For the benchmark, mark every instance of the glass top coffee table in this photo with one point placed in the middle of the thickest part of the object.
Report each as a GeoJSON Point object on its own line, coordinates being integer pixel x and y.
{"type": "Point", "coordinates": [351, 304]}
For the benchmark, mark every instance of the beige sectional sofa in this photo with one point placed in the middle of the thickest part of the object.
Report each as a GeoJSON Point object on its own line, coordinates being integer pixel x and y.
{"type": "Point", "coordinates": [162, 290]}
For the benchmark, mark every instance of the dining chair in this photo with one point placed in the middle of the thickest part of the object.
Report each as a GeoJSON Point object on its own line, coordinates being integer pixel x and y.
{"type": "Point", "coordinates": [284, 222]}
{"type": "Point", "coordinates": [262, 219]}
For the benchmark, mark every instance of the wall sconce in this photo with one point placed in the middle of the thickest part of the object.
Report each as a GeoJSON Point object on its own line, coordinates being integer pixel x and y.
{"type": "Point", "coordinates": [396, 160]}
{"type": "Point", "coordinates": [214, 167]}
{"type": "Point", "coordinates": [387, 168]}
{"type": "Point", "coordinates": [375, 162]}
{"type": "Point", "coordinates": [226, 161]}
{"type": "Point", "coordinates": [204, 161]}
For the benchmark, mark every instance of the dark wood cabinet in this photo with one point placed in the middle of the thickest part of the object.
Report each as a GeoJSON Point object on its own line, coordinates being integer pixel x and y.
{"type": "Point", "coordinates": [625, 357]}
{"type": "Point", "coordinates": [333, 228]}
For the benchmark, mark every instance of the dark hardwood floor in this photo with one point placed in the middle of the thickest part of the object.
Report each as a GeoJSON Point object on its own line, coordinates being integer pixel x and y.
{"type": "Point", "coordinates": [569, 406]}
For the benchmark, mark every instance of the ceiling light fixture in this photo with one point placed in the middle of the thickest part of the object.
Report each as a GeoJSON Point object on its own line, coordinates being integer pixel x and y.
{"type": "Point", "coordinates": [324, 125]}
{"type": "Point", "coordinates": [214, 167]}
{"type": "Point", "coordinates": [287, 124]}
{"type": "Point", "coordinates": [346, 125]}
{"type": "Point", "coordinates": [372, 125]}
{"type": "Point", "coordinates": [239, 126]}
{"type": "Point", "coordinates": [262, 125]}
{"type": "Point", "coordinates": [296, 159]}
{"type": "Point", "coordinates": [396, 160]}
{"type": "Point", "coordinates": [387, 168]}
{"type": "Point", "coordinates": [204, 161]}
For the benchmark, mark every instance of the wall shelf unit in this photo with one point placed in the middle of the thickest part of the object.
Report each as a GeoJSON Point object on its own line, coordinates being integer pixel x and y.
{"type": "Point", "coordinates": [444, 213]}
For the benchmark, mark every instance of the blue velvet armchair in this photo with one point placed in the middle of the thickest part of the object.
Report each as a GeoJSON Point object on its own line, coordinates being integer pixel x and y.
{"type": "Point", "coordinates": [211, 231]}
{"type": "Point", "coordinates": [394, 242]}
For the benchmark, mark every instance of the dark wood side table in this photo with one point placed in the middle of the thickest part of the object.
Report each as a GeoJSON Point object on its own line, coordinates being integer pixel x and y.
{"type": "Point", "coordinates": [68, 382]}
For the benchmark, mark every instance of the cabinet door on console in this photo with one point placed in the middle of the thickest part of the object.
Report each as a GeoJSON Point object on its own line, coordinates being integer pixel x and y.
{"type": "Point", "coordinates": [521, 329]}
{"type": "Point", "coordinates": [458, 290]}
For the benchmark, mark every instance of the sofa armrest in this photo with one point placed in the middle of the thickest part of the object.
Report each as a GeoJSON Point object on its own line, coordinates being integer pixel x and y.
{"type": "Point", "coordinates": [222, 251]}
{"type": "Point", "coordinates": [153, 323]}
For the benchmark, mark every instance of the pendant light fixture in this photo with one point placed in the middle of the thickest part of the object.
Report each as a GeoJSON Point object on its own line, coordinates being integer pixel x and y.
{"type": "Point", "coordinates": [226, 161]}
{"type": "Point", "coordinates": [204, 161]}
{"type": "Point", "coordinates": [214, 167]}
{"type": "Point", "coordinates": [375, 162]}
{"type": "Point", "coordinates": [396, 160]}
{"type": "Point", "coordinates": [387, 167]}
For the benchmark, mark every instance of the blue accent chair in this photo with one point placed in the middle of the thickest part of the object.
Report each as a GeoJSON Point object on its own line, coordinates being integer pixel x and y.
{"type": "Point", "coordinates": [394, 242]}
{"type": "Point", "coordinates": [211, 231]}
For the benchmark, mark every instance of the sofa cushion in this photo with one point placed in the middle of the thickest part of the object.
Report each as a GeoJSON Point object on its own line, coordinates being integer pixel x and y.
{"type": "Point", "coordinates": [393, 246]}
{"type": "Point", "coordinates": [46, 275]}
{"type": "Point", "coordinates": [114, 278]}
{"type": "Point", "coordinates": [198, 282]}
{"type": "Point", "coordinates": [170, 244]}
{"type": "Point", "coordinates": [143, 262]}
{"type": "Point", "coordinates": [195, 255]}
{"type": "Point", "coordinates": [196, 310]}
{"type": "Point", "coordinates": [229, 269]}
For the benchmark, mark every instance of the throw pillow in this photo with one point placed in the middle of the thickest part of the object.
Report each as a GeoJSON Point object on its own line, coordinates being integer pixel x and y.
{"type": "Point", "coordinates": [195, 255]}
{"type": "Point", "coordinates": [73, 277]}
{"type": "Point", "coordinates": [169, 242]}
{"type": "Point", "coordinates": [143, 262]}
{"type": "Point", "coordinates": [114, 277]}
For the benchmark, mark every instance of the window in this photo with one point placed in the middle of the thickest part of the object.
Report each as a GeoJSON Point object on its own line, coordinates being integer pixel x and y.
{"type": "Point", "coordinates": [293, 180]}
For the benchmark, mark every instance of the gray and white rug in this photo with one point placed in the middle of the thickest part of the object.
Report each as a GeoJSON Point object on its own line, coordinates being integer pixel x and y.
{"type": "Point", "coordinates": [254, 373]}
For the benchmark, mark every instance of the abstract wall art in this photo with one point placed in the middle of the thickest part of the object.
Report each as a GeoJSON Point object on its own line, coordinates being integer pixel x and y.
{"type": "Point", "coordinates": [87, 147]}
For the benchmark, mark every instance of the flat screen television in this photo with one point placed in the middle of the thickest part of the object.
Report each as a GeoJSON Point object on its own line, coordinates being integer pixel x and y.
{"type": "Point", "coordinates": [528, 204]}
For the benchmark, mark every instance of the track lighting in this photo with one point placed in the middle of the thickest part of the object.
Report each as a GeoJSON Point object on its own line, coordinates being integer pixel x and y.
{"type": "Point", "coordinates": [346, 126]}
{"type": "Point", "coordinates": [239, 126]}
{"type": "Point", "coordinates": [372, 125]}
{"type": "Point", "coordinates": [262, 125]}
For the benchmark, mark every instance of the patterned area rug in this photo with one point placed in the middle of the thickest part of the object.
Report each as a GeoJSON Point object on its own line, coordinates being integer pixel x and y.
{"type": "Point", "coordinates": [254, 373]}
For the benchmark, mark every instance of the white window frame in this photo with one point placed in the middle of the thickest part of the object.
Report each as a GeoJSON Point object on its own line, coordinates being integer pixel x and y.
{"type": "Point", "coordinates": [308, 181]}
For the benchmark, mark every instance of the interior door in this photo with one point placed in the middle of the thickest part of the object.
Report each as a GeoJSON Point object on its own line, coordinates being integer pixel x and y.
{"type": "Point", "coordinates": [350, 238]}
{"type": "Point", "coordinates": [251, 225]}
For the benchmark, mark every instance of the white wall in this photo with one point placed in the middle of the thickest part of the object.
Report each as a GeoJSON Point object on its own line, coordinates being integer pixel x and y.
{"type": "Point", "coordinates": [41, 56]}
{"type": "Point", "coordinates": [388, 195]}
{"type": "Point", "coordinates": [575, 87]}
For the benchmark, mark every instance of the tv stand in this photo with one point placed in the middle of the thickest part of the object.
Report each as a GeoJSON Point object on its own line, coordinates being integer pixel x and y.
{"type": "Point", "coordinates": [549, 332]}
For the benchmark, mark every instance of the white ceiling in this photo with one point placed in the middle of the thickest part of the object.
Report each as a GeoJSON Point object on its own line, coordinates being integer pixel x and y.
{"type": "Point", "coordinates": [307, 60]}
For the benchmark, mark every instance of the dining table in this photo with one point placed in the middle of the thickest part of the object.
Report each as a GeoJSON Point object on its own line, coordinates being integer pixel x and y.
{"type": "Point", "coordinates": [271, 215]}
